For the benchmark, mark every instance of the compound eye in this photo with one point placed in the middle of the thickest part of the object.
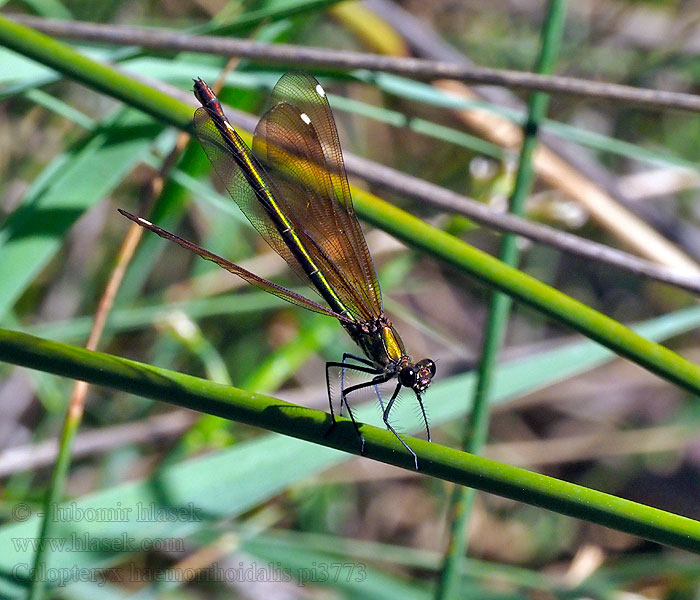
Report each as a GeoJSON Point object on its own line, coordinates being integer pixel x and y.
{"type": "Point", "coordinates": [407, 376]}
{"type": "Point", "coordinates": [428, 364]}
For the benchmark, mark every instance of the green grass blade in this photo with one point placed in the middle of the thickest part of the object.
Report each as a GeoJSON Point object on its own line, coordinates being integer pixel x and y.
{"type": "Point", "coordinates": [315, 426]}
{"type": "Point", "coordinates": [241, 477]}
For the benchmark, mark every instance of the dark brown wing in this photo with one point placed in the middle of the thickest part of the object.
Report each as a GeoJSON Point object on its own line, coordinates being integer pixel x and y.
{"type": "Point", "coordinates": [266, 206]}
{"type": "Point", "coordinates": [297, 143]}
{"type": "Point", "coordinates": [263, 284]}
{"type": "Point", "coordinates": [238, 186]}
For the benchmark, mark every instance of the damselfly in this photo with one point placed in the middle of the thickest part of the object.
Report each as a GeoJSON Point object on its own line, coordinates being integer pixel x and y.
{"type": "Point", "coordinates": [294, 190]}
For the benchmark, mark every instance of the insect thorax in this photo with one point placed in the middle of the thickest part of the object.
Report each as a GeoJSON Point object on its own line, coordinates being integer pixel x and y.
{"type": "Point", "coordinates": [379, 341]}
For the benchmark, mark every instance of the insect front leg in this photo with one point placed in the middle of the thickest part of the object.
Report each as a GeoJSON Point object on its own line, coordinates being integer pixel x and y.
{"type": "Point", "coordinates": [385, 418]}
{"type": "Point", "coordinates": [425, 417]}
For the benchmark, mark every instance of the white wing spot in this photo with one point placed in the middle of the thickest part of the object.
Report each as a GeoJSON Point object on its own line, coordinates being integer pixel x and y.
{"type": "Point", "coordinates": [142, 220]}
{"type": "Point", "coordinates": [320, 91]}
{"type": "Point", "coordinates": [305, 118]}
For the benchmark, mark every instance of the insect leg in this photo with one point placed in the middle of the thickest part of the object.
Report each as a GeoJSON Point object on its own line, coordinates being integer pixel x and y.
{"type": "Point", "coordinates": [343, 400]}
{"type": "Point", "coordinates": [381, 377]}
{"type": "Point", "coordinates": [343, 365]}
{"type": "Point", "coordinates": [361, 360]}
{"type": "Point", "coordinates": [386, 422]}
{"type": "Point", "coordinates": [425, 417]}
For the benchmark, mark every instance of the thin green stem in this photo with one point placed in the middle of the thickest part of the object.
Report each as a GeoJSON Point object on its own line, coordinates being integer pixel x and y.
{"type": "Point", "coordinates": [551, 302]}
{"type": "Point", "coordinates": [52, 498]}
{"type": "Point", "coordinates": [316, 426]}
{"type": "Point", "coordinates": [476, 431]}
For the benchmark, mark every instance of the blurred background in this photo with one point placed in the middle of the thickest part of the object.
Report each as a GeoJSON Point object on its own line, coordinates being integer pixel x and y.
{"type": "Point", "coordinates": [69, 156]}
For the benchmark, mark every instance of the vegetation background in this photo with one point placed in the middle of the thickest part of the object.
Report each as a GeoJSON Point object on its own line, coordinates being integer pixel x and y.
{"type": "Point", "coordinates": [284, 518]}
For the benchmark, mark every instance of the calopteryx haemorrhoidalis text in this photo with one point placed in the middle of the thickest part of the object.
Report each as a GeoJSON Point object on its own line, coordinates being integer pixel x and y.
{"type": "Point", "coordinates": [294, 190]}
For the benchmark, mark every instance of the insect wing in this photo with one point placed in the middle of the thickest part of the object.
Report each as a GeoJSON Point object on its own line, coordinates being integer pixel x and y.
{"type": "Point", "coordinates": [259, 282]}
{"type": "Point", "coordinates": [221, 152]}
{"type": "Point", "coordinates": [297, 143]}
